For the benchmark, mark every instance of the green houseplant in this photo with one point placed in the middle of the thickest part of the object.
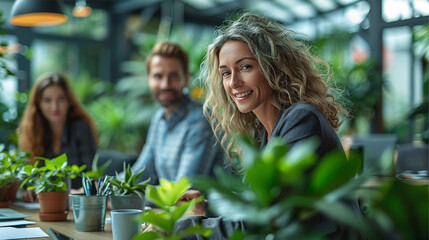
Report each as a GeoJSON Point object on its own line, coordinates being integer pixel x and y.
{"type": "Point", "coordinates": [128, 191]}
{"type": "Point", "coordinates": [50, 184]}
{"type": "Point", "coordinates": [166, 196]}
{"type": "Point", "coordinates": [282, 189]}
{"type": "Point", "coordinates": [11, 163]}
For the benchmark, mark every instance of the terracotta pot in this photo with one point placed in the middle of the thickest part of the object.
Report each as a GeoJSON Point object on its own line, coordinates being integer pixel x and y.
{"type": "Point", "coordinates": [13, 189]}
{"type": "Point", "coordinates": [8, 192]}
{"type": "Point", "coordinates": [53, 206]}
{"type": "Point", "coordinates": [5, 204]}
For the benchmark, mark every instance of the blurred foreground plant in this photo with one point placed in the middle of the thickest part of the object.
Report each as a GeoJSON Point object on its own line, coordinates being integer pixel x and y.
{"type": "Point", "coordinates": [165, 196]}
{"type": "Point", "coordinates": [282, 190]}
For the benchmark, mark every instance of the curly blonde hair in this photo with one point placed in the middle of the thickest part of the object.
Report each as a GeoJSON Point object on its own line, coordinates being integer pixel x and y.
{"type": "Point", "coordinates": [290, 69]}
{"type": "Point", "coordinates": [33, 126]}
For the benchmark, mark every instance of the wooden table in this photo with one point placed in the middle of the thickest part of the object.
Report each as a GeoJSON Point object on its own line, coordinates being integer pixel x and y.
{"type": "Point", "coordinates": [65, 227]}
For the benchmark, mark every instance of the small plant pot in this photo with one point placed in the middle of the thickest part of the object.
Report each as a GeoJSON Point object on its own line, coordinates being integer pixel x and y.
{"type": "Point", "coordinates": [89, 212]}
{"type": "Point", "coordinates": [4, 204]}
{"type": "Point", "coordinates": [8, 194]}
{"type": "Point", "coordinates": [52, 206]}
{"type": "Point", "coordinates": [127, 202]}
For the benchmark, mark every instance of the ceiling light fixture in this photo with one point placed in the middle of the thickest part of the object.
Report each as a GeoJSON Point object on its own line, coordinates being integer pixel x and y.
{"type": "Point", "coordinates": [32, 13]}
{"type": "Point", "coordinates": [81, 9]}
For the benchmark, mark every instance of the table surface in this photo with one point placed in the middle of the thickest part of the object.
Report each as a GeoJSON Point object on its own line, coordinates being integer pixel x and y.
{"type": "Point", "coordinates": [65, 227]}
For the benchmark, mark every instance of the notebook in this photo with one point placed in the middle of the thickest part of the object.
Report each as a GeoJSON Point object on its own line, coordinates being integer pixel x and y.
{"type": "Point", "coordinates": [10, 214]}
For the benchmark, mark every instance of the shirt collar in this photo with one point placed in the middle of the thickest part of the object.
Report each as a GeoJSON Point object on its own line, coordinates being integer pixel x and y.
{"type": "Point", "coordinates": [180, 113]}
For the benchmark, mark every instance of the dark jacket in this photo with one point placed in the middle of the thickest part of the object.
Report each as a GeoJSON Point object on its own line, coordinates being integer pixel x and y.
{"type": "Point", "coordinates": [78, 142]}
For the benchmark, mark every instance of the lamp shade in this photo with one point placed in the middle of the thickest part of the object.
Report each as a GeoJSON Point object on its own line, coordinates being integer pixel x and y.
{"type": "Point", "coordinates": [81, 9]}
{"type": "Point", "coordinates": [31, 13]}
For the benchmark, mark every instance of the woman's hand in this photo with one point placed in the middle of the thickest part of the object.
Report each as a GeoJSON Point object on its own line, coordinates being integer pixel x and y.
{"type": "Point", "coordinates": [29, 196]}
{"type": "Point", "coordinates": [199, 208]}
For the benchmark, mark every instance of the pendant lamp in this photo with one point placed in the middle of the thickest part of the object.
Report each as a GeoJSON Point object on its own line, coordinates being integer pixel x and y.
{"type": "Point", "coordinates": [81, 9]}
{"type": "Point", "coordinates": [32, 13]}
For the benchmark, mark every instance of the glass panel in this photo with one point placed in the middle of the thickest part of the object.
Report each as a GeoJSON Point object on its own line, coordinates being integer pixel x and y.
{"type": "Point", "coordinates": [394, 10]}
{"type": "Point", "coordinates": [67, 58]}
{"type": "Point", "coordinates": [421, 6]}
{"type": "Point", "coordinates": [273, 10]}
{"type": "Point", "coordinates": [324, 5]}
{"type": "Point", "coordinates": [396, 69]}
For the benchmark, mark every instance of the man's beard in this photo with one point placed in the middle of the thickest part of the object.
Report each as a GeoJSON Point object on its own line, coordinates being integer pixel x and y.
{"type": "Point", "coordinates": [178, 96]}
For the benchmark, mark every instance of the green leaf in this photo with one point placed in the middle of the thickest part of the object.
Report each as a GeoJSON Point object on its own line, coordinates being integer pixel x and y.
{"type": "Point", "coordinates": [153, 196]}
{"type": "Point", "coordinates": [238, 235]}
{"type": "Point", "coordinates": [170, 193]}
{"type": "Point", "coordinates": [249, 150]}
{"type": "Point", "coordinates": [149, 236]}
{"type": "Point", "coordinates": [341, 213]}
{"type": "Point", "coordinates": [274, 151]}
{"type": "Point", "coordinates": [406, 205]}
{"type": "Point", "coordinates": [262, 178]}
{"type": "Point", "coordinates": [60, 161]}
{"type": "Point", "coordinates": [160, 220]}
{"type": "Point", "coordinates": [333, 171]}
{"type": "Point", "coordinates": [233, 206]}
{"type": "Point", "coordinates": [181, 209]}
{"type": "Point", "coordinates": [197, 229]}
{"type": "Point", "coordinates": [49, 164]}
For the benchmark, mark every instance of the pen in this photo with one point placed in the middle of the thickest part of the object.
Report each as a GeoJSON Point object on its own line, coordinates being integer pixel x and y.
{"type": "Point", "coordinates": [84, 186]}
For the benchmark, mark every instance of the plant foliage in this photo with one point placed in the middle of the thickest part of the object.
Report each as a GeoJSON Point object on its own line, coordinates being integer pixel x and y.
{"type": "Point", "coordinates": [52, 176]}
{"type": "Point", "coordinates": [165, 196]}
{"type": "Point", "coordinates": [129, 185]}
{"type": "Point", "coordinates": [281, 190]}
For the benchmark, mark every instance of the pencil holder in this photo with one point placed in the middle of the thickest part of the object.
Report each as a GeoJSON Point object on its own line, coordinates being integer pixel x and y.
{"type": "Point", "coordinates": [89, 212]}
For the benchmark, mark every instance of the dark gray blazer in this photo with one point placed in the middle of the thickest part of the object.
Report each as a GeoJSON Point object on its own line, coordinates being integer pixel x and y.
{"type": "Point", "coordinates": [302, 121]}
{"type": "Point", "coordinates": [78, 142]}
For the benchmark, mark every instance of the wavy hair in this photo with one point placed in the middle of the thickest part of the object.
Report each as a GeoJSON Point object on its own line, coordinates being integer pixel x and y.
{"type": "Point", "coordinates": [294, 74]}
{"type": "Point", "coordinates": [34, 126]}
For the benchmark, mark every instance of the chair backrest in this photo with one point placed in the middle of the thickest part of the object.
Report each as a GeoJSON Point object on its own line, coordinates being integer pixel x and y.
{"type": "Point", "coordinates": [376, 146]}
{"type": "Point", "coordinates": [412, 158]}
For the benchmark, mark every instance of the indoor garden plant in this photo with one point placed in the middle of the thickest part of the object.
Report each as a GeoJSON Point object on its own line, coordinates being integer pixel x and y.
{"type": "Point", "coordinates": [11, 163]}
{"type": "Point", "coordinates": [49, 182]}
{"type": "Point", "coordinates": [128, 192]}
{"type": "Point", "coordinates": [166, 197]}
{"type": "Point", "coordinates": [280, 190]}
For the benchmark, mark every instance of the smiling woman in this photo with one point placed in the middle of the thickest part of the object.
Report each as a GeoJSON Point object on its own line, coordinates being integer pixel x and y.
{"type": "Point", "coordinates": [54, 123]}
{"type": "Point", "coordinates": [264, 83]}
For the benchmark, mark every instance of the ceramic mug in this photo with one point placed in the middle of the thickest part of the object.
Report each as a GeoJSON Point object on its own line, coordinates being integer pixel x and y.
{"type": "Point", "coordinates": [125, 223]}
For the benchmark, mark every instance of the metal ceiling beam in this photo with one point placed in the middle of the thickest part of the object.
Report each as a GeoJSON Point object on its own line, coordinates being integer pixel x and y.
{"type": "Point", "coordinates": [126, 6]}
{"type": "Point", "coordinates": [407, 22]}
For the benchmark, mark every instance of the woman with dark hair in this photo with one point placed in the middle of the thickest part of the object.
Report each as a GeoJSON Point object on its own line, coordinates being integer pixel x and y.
{"type": "Point", "coordinates": [54, 122]}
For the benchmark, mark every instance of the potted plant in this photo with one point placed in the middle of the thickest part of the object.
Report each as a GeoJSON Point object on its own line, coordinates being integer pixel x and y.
{"type": "Point", "coordinates": [10, 164]}
{"type": "Point", "coordinates": [128, 192]}
{"type": "Point", "coordinates": [164, 220]}
{"type": "Point", "coordinates": [50, 184]}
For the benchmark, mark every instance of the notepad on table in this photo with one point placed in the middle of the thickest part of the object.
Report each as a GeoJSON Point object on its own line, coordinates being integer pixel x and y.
{"type": "Point", "coordinates": [21, 233]}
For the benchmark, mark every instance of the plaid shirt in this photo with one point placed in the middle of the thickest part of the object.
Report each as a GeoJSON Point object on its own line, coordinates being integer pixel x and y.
{"type": "Point", "coordinates": [183, 145]}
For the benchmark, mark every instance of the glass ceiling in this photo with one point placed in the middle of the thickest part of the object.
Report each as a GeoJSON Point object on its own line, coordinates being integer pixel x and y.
{"type": "Point", "coordinates": [304, 15]}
